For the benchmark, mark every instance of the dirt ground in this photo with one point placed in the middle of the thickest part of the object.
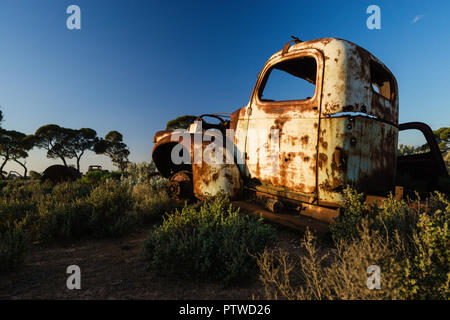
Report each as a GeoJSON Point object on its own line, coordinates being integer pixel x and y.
{"type": "Point", "coordinates": [113, 269]}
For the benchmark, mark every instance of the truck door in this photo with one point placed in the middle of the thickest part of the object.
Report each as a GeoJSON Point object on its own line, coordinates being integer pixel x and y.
{"type": "Point", "coordinates": [283, 124]}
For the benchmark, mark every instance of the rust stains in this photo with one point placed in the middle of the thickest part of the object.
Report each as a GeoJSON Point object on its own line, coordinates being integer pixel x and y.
{"type": "Point", "coordinates": [305, 139]}
{"type": "Point", "coordinates": [323, 158]}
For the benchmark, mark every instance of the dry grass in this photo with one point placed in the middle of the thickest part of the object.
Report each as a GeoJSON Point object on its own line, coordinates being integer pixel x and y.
{"type": "Point", "coordinates": [340, 273]}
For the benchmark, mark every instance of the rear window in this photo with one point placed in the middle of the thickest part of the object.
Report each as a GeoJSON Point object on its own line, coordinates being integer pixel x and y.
{"type": "Point", "coordinates": [382, 82]}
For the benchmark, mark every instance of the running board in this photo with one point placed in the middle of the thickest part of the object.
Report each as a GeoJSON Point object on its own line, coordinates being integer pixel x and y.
{"type": "Point", "coordinates": [295, 221]}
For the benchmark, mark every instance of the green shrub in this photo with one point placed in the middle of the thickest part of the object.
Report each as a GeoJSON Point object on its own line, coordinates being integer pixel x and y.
{"type": "Point", "coordinates": [70, 191]}
{"type": "Point", "coordinates": [14, 244]}
{"type": "Point", "coordinates": [423, 257]}
{"type": "Point", "coordinates": [427, 265]}
{"type": "Point", "coordinates": [354, 209]}
{"type": "Point", "coordinates": [410, 243]}
{"type": "Point", "coordinates": [392, 216]}
{"type": "Point", "coordinates": [70, 209]}
{"type": "Point", "coordinates": [14, 211]}
{"type": "Point", "coordinates": [151, 202]}
{"type": "Point", "coordinates": [64, 220]}
{"type": "Point", "coordinates": [112, 203]}
{"type": "Point", "coordinates": [35, 175]}
{"type": "Point", "coordinates": [138, 173]}
{"type": "Point", "coordinates": [213, 242]}
{"type": "Point", "coordinates": [99, 176]}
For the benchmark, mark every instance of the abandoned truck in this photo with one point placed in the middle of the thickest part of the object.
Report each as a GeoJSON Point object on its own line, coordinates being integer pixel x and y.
{"type": "Point", "coordinates": [296, 154]}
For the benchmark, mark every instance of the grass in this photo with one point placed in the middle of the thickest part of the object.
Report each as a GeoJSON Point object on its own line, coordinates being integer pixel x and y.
{"type": "Point", "coordinates": [408, 242]}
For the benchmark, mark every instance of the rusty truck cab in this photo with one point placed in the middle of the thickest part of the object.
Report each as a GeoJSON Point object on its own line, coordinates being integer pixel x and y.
{"type": "Point", "coordinates": [344, 133]}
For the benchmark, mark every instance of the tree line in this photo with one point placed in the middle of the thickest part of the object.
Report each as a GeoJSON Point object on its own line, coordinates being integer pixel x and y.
{"type": "Point", "coordinates": [61, 143]}
{"type": "Point", "coordinates": [442, 136]}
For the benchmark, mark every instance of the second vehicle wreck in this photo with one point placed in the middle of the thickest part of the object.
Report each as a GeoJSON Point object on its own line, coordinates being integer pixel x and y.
{"type": "Point", "coordinates": [293, 153]}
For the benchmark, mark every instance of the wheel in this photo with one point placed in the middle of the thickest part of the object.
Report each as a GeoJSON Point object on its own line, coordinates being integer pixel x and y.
{"type": "Point", "coordinates": [180, 186]}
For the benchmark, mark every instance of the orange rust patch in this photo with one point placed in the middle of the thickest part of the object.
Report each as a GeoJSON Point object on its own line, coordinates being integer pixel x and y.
{"type": "Point", "coordinates": [305, 139]}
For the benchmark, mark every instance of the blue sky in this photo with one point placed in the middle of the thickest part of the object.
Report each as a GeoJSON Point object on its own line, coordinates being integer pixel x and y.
{"type": "Point", "coordinates": [135, 65]}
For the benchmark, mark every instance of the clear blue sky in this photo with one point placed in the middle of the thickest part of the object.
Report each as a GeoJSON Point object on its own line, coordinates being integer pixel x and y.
{"type": "Point", "coordinates": [135, 65]}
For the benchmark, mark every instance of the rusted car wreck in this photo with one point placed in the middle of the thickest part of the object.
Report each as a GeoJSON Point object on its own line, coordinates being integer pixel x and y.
{"type": "Point", "coordinates": [296, 155]}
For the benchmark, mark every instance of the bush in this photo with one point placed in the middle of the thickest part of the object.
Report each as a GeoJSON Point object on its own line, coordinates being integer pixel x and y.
{"type": "Point", "coordinates": [64, 220]}
{"type": "Point", "coordinates": [96, 177]}
{"type": "Point", "coordinates": [14, 244]}
{"type": "Point", "coordinates": [109, 207]}
{"type": "Point", "coordinates": [112, 204]}
{"type": "Point", "coordinates": [35, 175]}
{"type": "Point", "coordinates": [99, 204]}
{"type": "Point", "coordinates": [137, 173]}
{"type": "Point", "coordinates": [337, 274]}
{"type": "Point", "coordinates": [213, 242]}
{"type": "Point", "coordinates": [408, 241]}
{"type": "Point", "coordinates": [426, 274]}
{"type": "Point", "coordinates": [392, 216]}
{"type": "Point", "coordinates": [151, 202]}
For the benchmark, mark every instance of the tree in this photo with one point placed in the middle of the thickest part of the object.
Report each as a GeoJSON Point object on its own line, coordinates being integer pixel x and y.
{"type": "Point", "coordinates": [114, 147]}
{"type": "Point", "coordinates": [14, 146]}
{"type": "Point", "coordinates": [20, 154]}
{"type": "Point", "coordinates": [443, 138]}
{"type": "Point", "coordinates": [65, 143]}
{"type": "Point", "coordinates": [182, 122]}
{"type": "Point", "coordinates": [81, 141]}
{"type": "Point", "coordinates": [56, 140]}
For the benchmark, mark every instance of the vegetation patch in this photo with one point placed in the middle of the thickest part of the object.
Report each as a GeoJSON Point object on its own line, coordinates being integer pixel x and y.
{"type": "Point", "coordinates": [14, 245]}
{"type": "Point", "coordinates": [409, 242]}
{"type": "Point", "coordinates": [211, 243]}
{"type": "Point", "coordinates": [101, 204]}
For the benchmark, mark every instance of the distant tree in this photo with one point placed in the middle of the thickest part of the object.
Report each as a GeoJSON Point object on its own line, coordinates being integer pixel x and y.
{"type": "Point", "coordinates": [114, 147]}
{"type": "Point", "coordinates": [14, 146]}
{"type": "Point", "coordinates": [443, 138]}
{"type": "Point", "coordinates": [182, 122]}
{"type": "Point", "coordinates": [56, 140]}
{"type": "Point", "coordinates": [20, 154]}
{"type": "Point", "coordinates": [408, 150]}
{"type": "Point", "coordinates": [81, 141]}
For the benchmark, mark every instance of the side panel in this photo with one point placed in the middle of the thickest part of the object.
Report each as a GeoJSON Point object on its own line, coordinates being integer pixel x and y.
{"type": "Point", "coordinates": [358, 151]}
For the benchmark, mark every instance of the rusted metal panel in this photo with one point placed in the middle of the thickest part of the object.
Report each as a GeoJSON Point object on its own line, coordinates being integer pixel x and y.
{"type": "Point", "coordinates": [211, 179]}
{"type": "Point", "coordinates": [282, 136]}
{"type": "Point", "coordinates": [347, 85]}
{"type": "Point", "coordinates": [359, 151]}
{"type": "Point", "coordinates": [213, 175]}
